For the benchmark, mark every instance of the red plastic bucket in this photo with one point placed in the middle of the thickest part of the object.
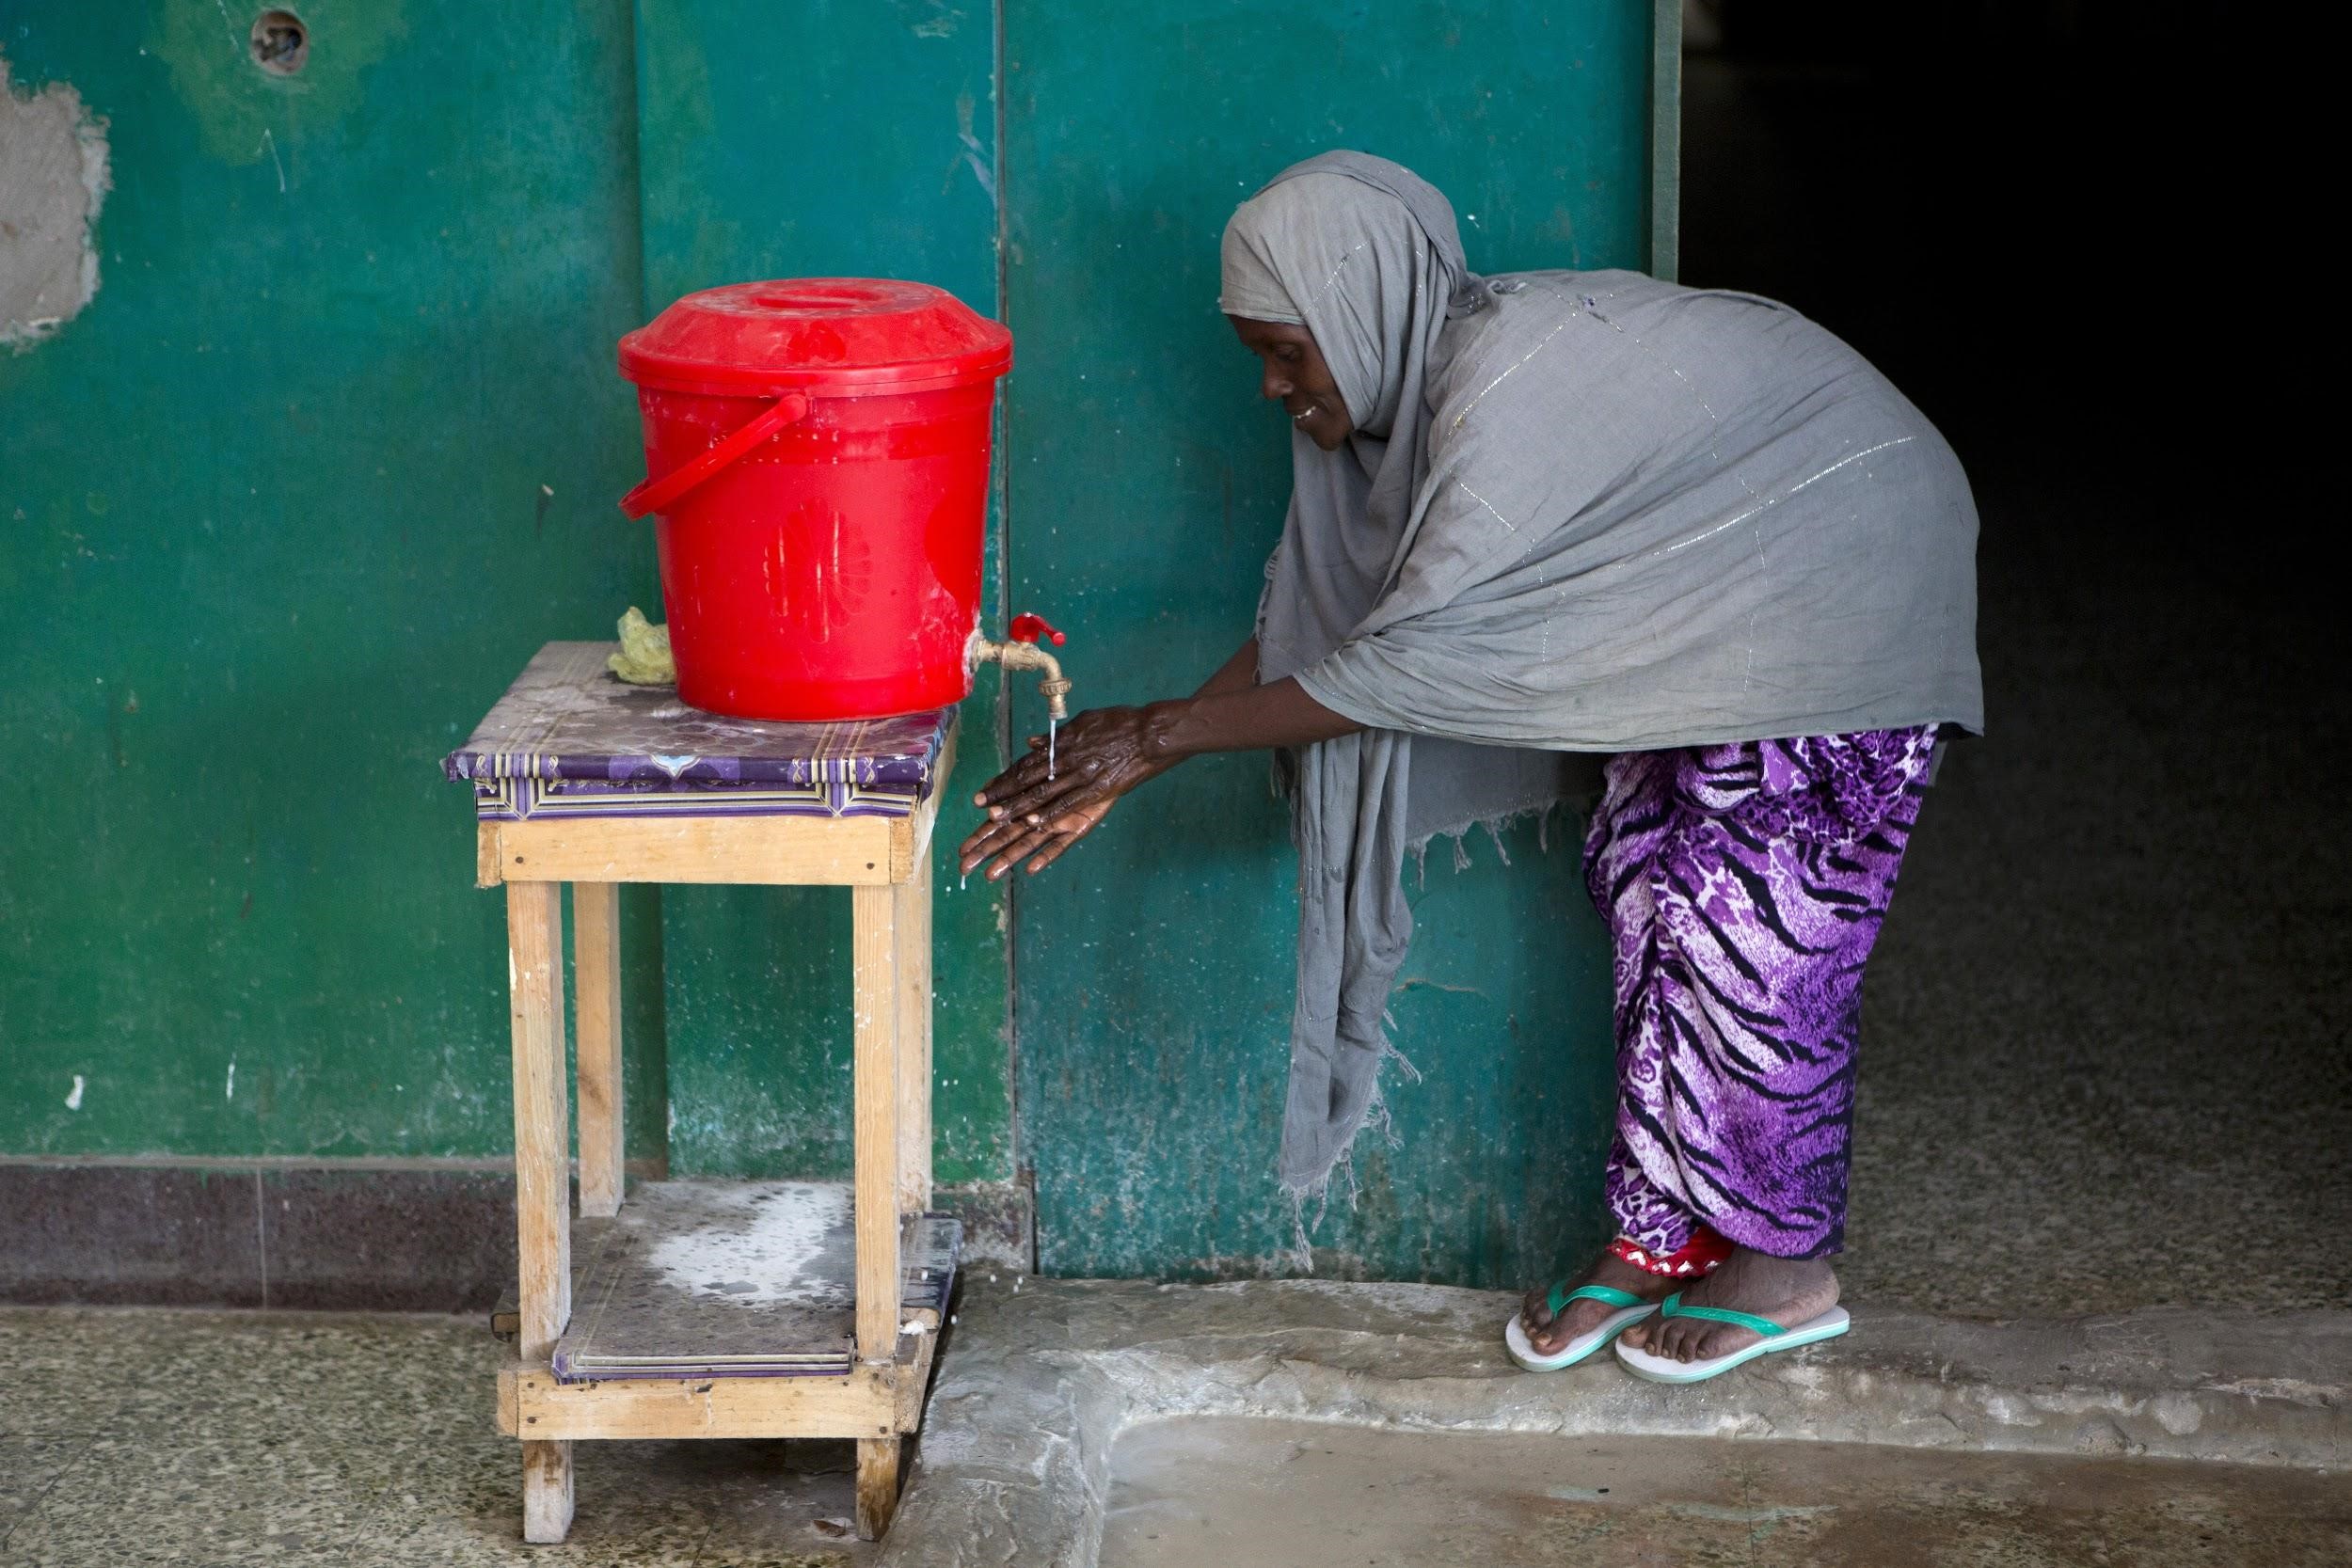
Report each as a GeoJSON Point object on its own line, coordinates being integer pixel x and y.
{"type": "Point", "coordinates": [817, 452]}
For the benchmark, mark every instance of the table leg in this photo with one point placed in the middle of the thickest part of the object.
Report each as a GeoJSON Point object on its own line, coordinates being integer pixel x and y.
{"type": "Point", "coordinates": [874, 947]}
{"type": "Point", "coordinates": [596, 978]}
{"type": "Point", "coordinates": [875, 943]}
{"type": "Point", "coordinates": [534, 948]}
{"type": "Point", "coordinates": [546, 1493]}
{"type": "Point", "coordinates": [877, 1485]}
{"type": "Point", "coordinates": [913, 930]}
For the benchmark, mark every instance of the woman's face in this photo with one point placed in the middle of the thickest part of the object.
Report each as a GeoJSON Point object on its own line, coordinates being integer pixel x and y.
{"type": "Point", "coordinates": [1297, 377]}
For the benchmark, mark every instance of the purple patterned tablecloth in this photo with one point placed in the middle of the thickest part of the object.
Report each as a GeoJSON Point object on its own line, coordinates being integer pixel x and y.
{"type": "Point", "coordinates": [568, 739]}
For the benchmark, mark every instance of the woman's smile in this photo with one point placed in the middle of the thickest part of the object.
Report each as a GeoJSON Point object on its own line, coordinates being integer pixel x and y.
{"type": "Point", "coordinates": [1291, 373]}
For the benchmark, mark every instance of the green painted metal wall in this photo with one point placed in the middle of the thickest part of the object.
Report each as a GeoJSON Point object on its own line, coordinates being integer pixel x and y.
{"type": "Point", "coordinates": [1147, 486]}
{"type": "Point", "coordinates": [278, 527]}
{"type": "Point", "coordinates": [332, 449]}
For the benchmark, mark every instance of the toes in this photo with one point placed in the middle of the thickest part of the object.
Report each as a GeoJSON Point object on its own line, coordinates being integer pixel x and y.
{"type": "Point", "coordinates": [1706, 1344]}
{"type": "Point", "coordinates": [1554, 1337]}
{"type": "Point", "coordinates": [1562, 1329]}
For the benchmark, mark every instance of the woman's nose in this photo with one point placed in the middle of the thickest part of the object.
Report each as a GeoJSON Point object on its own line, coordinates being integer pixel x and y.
{"type": "Point", "coordinates": [1273, 385]}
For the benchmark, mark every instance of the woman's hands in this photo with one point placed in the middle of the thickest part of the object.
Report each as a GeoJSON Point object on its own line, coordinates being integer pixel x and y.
{"type": "Point", "coordinates": [1099, 756]}
{"type": "Point", "coordinates": [1105, 752]}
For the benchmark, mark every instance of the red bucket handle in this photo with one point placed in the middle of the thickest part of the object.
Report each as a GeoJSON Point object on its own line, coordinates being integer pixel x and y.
{"type": "Point", "coordinates": [656, 495]}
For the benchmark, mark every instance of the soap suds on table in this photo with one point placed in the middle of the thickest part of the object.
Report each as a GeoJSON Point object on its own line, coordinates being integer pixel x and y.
{"type": "Point", "coordinates": [758, 1248]}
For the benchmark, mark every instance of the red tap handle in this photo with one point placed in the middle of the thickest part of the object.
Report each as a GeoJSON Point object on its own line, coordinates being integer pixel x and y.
{"type": "Point", "coordinates": [1028, 628]}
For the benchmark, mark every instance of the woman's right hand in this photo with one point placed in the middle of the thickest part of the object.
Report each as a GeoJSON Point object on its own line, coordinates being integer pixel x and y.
{"type": "Point", "coordinates": [1043, 804]}
{"type": "Point", "coordinates": [1008, 841]}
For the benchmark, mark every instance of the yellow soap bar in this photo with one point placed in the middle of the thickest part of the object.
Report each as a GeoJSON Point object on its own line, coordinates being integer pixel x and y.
{"type": "Point", "coordinates": [644, 656]}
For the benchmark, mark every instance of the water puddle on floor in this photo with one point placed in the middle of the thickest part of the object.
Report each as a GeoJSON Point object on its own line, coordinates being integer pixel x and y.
{"type": "Point", "coordinates": [1248, 1493]}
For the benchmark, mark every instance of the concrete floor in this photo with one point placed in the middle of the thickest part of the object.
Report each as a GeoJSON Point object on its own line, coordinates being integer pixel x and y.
{"type": "Point", "coordinates": [1981, 1436]}
{"type": "Point", "coordinates": [1245, 1493]}
{"type": "Point", "coordinates": [230, 1440]}
{"type": "Point", "coordinates": [225, 1440]}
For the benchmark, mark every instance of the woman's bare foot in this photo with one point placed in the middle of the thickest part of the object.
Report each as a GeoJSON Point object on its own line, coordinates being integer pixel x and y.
{"type": "Point", "coordinates": [1546, 1334]}
{"type": "Point", "coordinates": [1788, 1291]}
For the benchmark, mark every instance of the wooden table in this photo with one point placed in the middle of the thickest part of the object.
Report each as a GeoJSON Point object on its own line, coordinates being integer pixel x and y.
{"type": "Point", "coordinates": [580, 779]}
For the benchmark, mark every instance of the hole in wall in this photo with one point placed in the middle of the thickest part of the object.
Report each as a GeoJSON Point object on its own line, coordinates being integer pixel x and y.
{"type": "Point", "coordinates": [281, 44]}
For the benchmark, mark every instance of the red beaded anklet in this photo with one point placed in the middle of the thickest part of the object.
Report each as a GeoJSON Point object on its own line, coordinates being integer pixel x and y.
{"type": "Point", "coordinates": [1703, 1253]}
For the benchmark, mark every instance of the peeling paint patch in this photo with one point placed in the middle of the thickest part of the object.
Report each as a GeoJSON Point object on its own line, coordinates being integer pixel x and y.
{"type": "Point", "coordinates": [73, 1095]}
{"type": "Point", "coordinates": [941, 22]}
{"type": "Point", "coordinates": [53, 180]}
{"type": "Point", "coordinates": [973, 156]}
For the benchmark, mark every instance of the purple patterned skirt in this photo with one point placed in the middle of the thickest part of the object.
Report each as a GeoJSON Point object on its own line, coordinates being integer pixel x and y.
{"type": "Point", "coordinates": [1743, 885]}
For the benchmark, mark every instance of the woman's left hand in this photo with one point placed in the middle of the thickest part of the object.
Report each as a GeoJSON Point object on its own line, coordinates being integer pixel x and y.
{"type": "Point", "coordinates": [1099, 756]}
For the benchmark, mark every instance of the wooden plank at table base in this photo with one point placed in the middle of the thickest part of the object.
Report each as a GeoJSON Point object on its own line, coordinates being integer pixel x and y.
{"type": "Point", "coordinates": [772, 850]}
{"type": "Point", "coordinates": [877, 1485]}
{"type": "Point", "coordinates": [871, 1401]}
{"type": "Point", "coordinates": [596, 981]}
{"type": "Point", "coordinates": [778, 851]}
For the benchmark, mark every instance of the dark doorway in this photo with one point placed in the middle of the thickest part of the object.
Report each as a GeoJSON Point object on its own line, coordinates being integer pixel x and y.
{"type": "Point", "coordinates": [2104, 1061]}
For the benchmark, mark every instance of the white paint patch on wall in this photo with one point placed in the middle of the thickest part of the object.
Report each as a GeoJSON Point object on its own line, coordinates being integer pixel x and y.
{"type": "Point", "coordinates": [758, 1249]}
{"type": "Point", "coordinates": [53, 180]}
{"type": "Point", "coordinates": [73, 1095]}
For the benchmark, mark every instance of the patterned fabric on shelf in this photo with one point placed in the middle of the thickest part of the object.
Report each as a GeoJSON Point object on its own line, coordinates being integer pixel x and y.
{"type": "Point", "coordinates": [568, 739]}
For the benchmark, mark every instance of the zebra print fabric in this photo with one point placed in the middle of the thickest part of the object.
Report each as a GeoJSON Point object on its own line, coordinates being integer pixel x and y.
{"type": "Point", "coordinates": [1744, 885]}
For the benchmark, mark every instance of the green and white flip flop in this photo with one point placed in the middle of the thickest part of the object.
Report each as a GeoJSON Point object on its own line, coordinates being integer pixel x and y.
{"type": "Point", "coordinates": [1662, 1369]}
{"type": "Point", "coordinates": [1632, 1310]}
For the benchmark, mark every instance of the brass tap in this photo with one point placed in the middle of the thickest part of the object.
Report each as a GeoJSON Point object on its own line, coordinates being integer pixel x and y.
{"type": "Point", "coordinates": [1022, 650]}
{"type": "Point", "coordinates": [1013, 655]}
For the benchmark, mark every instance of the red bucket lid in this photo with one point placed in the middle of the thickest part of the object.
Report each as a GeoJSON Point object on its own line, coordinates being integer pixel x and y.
{"type": "Point", "coordinates": [841, 336]}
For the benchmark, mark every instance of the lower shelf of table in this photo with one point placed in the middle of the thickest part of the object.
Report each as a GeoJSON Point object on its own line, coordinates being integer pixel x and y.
{"type": "Point", "coordinates": [728, 1309]}
{"type": "Point", "coordinates": [736, 1279]}
{"type": "Point", "coordinates": [868, 1402]}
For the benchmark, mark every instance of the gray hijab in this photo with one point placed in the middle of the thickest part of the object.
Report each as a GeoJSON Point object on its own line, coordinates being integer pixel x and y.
{"type": "Point", "coordinates": [1581, 512]}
